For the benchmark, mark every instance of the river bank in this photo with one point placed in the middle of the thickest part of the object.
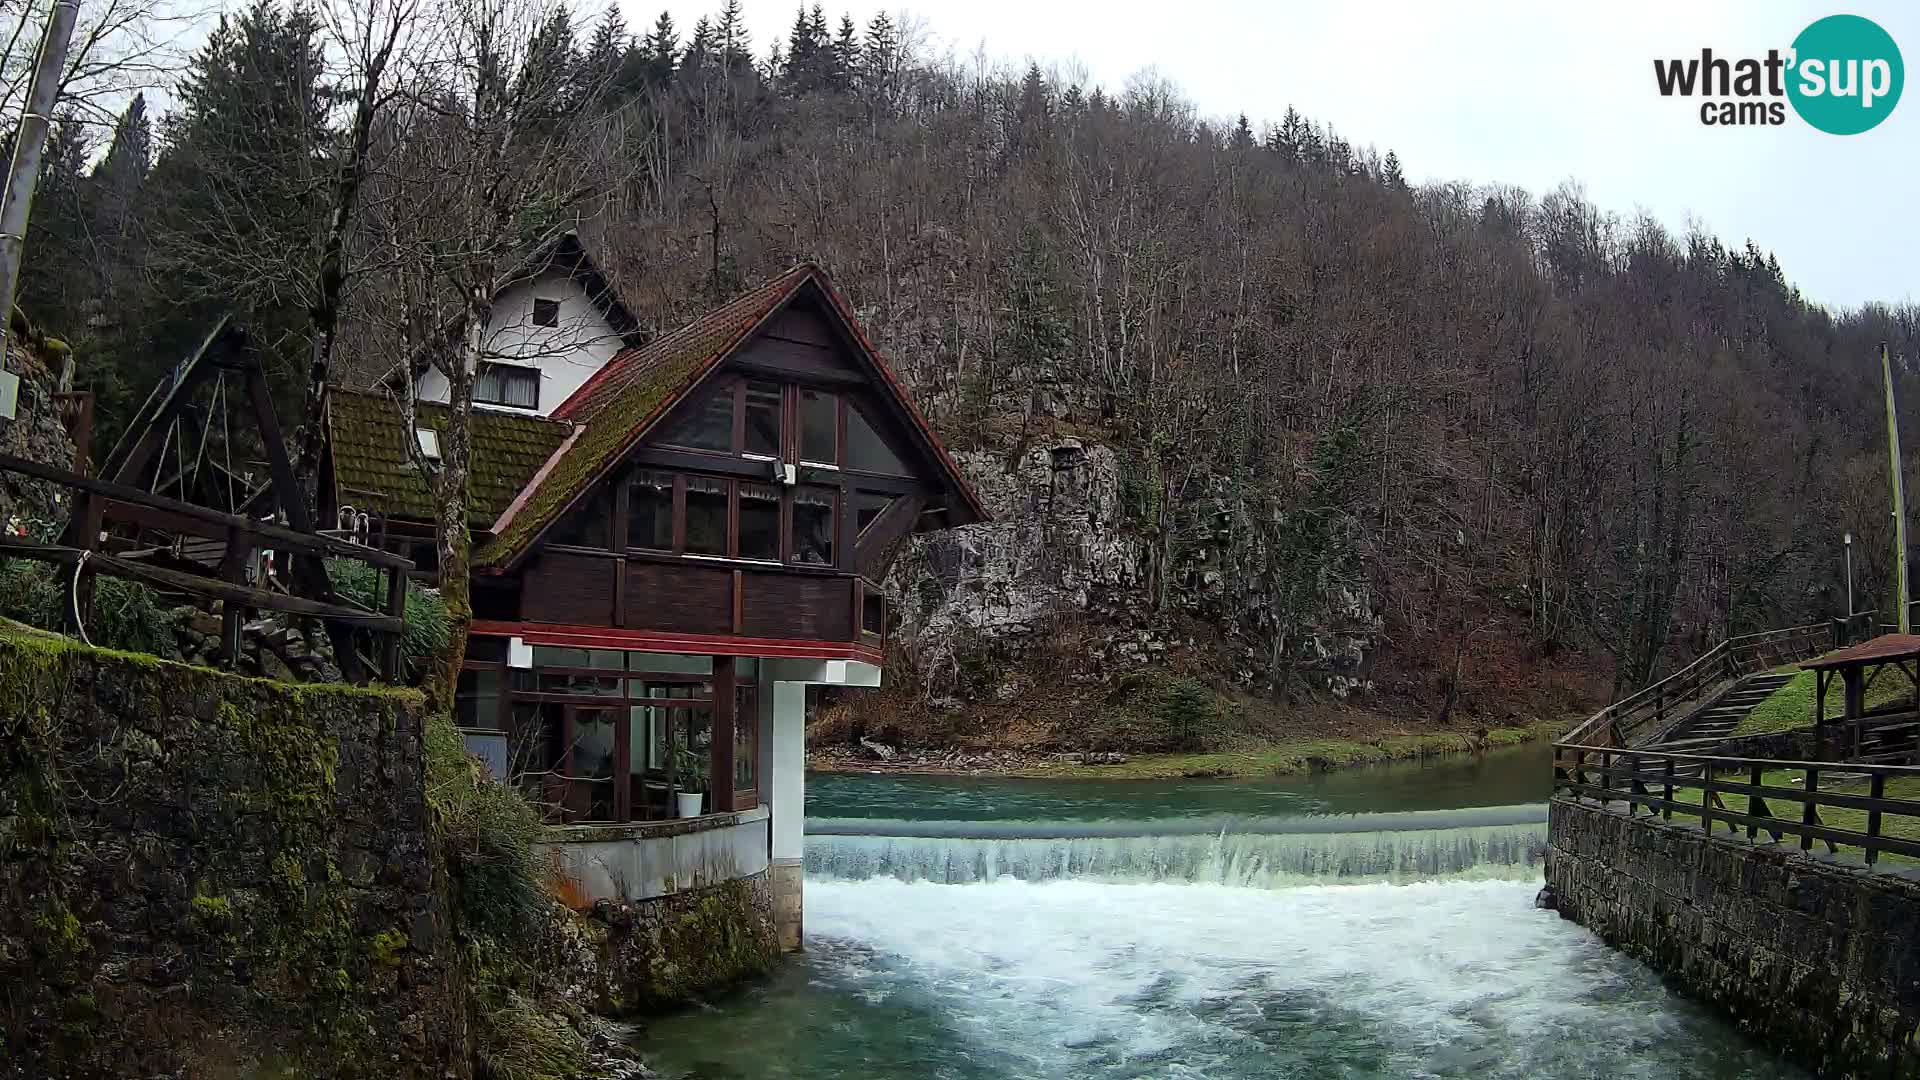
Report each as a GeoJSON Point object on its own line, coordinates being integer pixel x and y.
{"type": "Point", "coordinates": [1284, 758]}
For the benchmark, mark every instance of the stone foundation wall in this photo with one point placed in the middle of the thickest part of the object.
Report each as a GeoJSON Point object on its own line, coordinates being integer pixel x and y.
{"type": "Point", "coordinates": [623, 960]}
{"type": "Point", "coordinates": [205, 875]}
{"type": "Point", "coordinates": [1817, 957]}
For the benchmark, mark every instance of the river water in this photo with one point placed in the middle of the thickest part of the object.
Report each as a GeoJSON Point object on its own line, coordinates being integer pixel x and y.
{"type": "Point", "coordinates": [1364, 923]}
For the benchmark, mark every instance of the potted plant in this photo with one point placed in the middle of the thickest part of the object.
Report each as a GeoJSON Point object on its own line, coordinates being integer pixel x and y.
{"type": "Point", "coordinates": [691, 773]}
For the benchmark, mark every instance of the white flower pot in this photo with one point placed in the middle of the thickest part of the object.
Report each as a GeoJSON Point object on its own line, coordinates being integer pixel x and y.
{"type": "Point", "coordinates": [690, 803]}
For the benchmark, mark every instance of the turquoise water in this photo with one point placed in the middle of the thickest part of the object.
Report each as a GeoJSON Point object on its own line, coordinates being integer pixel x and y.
{"type": "Point", "coordinates": [1376, 923]}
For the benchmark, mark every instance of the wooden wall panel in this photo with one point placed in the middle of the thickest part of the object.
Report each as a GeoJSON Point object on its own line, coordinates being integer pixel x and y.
{"type": "Point", "coordinates": [803, 323]}
{"type": "Point", "coordinates": [685, 599]}
{"type": "Point", "coordinates": [797, 357]}
{"type": "Point", "coordinates": [797, 606]}
{"type": "Point", "coordinates": [563, 588]}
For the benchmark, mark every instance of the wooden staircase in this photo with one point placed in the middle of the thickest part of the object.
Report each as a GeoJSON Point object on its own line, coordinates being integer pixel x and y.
{"type": "Point", "coordinates": [1720, 717]}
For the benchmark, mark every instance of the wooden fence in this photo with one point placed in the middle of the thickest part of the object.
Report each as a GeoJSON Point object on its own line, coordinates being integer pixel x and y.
{"type": "Point", "coordinates": [240, 538]}
{"type": "Point", "coordinates": [1655, 780]}
{"type": "Point", "coordinates": [1647, 712]}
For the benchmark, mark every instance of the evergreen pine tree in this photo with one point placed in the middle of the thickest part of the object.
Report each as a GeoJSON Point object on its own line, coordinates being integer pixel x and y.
{"type": "Point", "coordinates": [1391, 174]}
{"type": "Point", "coordinates": [1292, 142]}
{"type": "Point", "coordinates": [600, 64]}
{"type": "Point", "coordinates": [879, 63]}
{"type": "Point", "coordinates": [735, 54]}
{"type": "Point", "coordinates": [545, 85]}
{"type": "Point", "coordinates": [117, 180]}
{"type": "Point", "coordinates": [660, 50]}
{"type": "Point", "coordinates": [59, 268]}
{"type": "Point", "coordinates": [700, 50]}
{"type": "Point", "coordinates": [231, 213]}
{"type": "Point", "coordinates": [846, 56]}
{"type": "Point", "coordinates": [1242, 135]}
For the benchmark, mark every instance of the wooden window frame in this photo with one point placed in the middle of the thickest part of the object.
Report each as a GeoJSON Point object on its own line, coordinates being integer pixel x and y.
{"type": "Point", "coordinates": [720, 711]}
{"type": "Point", "coordinates": [553, 305]}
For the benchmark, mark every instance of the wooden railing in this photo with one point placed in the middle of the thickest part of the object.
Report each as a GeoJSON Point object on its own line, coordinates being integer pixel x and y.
{"type": "Point", "coordinates": [1656, 780]}
{"type": "Point", "coordinates": [241, 539]}
{"type": "Point", "coordinates": [1647, 711]}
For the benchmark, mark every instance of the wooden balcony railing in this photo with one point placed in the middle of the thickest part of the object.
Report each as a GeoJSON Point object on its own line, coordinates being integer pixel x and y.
{"type": "Point", "coordinates": [1855, 806]}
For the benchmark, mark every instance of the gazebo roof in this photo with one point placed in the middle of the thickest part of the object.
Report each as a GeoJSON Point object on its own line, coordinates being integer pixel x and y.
{"type": "Point", "coordinates": [1885, 649]}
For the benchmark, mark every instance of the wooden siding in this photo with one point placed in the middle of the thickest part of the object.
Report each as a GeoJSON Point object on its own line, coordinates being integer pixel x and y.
{"type": "Point", "coordinates": [804, 323]}
{"type": "Point", "coordinates": [683, 598]}
{"type": "Point", "coordinates": [792, 606]}
{"type": "Point", "coordinates": [563, 587]}
{"type": "Point", "coordinates": [797, 358]}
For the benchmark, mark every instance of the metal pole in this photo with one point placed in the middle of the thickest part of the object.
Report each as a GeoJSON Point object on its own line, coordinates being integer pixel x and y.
{"type": "Point", "coordinates": [1849, 542]}
{"type": "Point", "coordinates": [17, 203]}
{"type": "Point", "coordinates": [1899, 502]}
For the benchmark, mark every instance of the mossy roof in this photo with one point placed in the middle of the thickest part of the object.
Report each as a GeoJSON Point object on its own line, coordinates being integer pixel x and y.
{"type": "Point", "coordinates": [627, 397]}
{"type": "Point", "coordinates": [373, 469]}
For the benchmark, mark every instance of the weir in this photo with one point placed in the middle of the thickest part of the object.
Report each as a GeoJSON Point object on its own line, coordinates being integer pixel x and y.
{"type": "Point", "coordinates": [1502, 842]}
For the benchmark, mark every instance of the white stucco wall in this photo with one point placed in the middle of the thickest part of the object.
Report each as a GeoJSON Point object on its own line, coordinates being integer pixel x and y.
{"type": "Point", "coordinates": [636, 862]}
{"type": "Point", "coordinates": [567, 354]}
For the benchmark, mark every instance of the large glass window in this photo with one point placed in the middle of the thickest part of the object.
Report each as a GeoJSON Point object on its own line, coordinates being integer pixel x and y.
{"type": "Point", "coordinates": [706, 516]}
{"type": "Point", "coordinates": [590, 773]}
{"type": "Point", "coordinates": [650, 511]}
{"type": "Point", "coordinates": [597, 741]}
{"type": "Point", "coordinates": [759, 521]}
{"type": "Point", "coordinates": [709, 426]}
{"type": "Point", "coordinates": [867, 451]}
{"type": "Point", "coordinates": [586, 525]}
{"type": "Point", "coordinates": [819, 427]}
{"type": "Point", "coordinates": [813, 526]}
{"type": "Point", "coordinates": [763, 419]}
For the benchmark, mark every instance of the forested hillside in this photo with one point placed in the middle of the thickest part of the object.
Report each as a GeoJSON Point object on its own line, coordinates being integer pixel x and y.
{"type": "Point", "coordinates": [1254, 413]}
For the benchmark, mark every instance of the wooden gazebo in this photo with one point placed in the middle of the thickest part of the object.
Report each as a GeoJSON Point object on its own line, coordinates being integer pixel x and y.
{"type": "Point", "coordinates": [1889, 731]}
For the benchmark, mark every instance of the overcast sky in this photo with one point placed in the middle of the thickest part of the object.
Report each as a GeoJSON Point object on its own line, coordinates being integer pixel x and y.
{"type": "Point", "coordinates": [1518, 93]}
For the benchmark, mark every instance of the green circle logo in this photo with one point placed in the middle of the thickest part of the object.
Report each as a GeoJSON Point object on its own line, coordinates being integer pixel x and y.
{"type": "Point", "coordinates": [1846, 75]}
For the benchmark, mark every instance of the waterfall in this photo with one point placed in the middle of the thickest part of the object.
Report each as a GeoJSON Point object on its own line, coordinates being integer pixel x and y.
{"type": "Point", "coordinates": [1486, 842]}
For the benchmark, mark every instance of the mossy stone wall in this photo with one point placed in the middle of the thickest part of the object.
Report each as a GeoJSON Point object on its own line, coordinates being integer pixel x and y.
{"type": "Point", "coordinates": [668, 951]}
{"type": "Point", "coordinates": [1817, 958]}
{"type": "Point", "coordinates": [209, 875]}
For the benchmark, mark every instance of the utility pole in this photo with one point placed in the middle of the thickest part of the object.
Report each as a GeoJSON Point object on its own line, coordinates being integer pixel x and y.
{"type": "Point", "coordinates": [1899, 502]}
{"type": "Point", "coordinates": [17, 203]}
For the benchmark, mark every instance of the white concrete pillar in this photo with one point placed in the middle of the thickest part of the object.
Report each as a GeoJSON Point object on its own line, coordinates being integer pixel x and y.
{"type": "Point", "coordinates": [788, 807]}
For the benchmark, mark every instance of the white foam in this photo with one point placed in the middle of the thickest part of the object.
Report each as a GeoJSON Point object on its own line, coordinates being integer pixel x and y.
{"type": "Point", "coordinates": [1081, 978]}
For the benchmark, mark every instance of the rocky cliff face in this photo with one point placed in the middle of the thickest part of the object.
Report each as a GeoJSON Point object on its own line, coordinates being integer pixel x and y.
{"type": "Point", "coordinates": [35, 433]}
{"type": "Point", "coordinates": [1061, 585]}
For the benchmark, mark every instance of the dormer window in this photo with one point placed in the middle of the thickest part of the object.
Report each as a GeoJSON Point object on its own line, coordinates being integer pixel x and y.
{"type": "Point", "coordinates": [546, 312]}
{"type": "Point", "coordinates": [507, 384]}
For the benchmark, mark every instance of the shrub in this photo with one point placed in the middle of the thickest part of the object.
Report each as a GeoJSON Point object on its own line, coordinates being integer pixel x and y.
{"type": "Point", "coordinates": [426, 634]}
{"type": "Point", "coordinates": [1155, 711]}
{"type": "Point", "coordinates": [126, 615]}
{"type": "Point", "coordinates": [489, 831]}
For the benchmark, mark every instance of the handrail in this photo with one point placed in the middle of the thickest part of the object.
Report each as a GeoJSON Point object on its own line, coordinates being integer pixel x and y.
{"type": "Point", "coordinates": [1615, 723]}
{"type": "Point", "coordinates": [1654, 788]}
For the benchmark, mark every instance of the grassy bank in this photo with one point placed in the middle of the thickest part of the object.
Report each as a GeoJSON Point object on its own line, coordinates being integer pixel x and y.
{"type": "Point", "coordinates": [1281, 759]}
{"type": "Point", "coordinates": [1791, 706]}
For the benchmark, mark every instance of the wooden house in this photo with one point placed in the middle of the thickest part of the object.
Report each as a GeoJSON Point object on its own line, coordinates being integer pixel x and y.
{"type": "Point", "coordinates": [667, 551]}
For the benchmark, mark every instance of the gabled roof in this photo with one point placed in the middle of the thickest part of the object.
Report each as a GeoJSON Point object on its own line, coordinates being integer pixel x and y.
{"type": "Point", "coordinates": [373, 469]}
{"type": "Point", "coordinates": [624, 400]}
